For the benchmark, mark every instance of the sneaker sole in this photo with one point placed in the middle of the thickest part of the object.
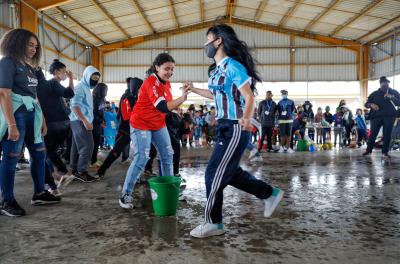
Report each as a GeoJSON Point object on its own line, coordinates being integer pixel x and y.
{"type": "Point", "coordinates": [66, 182]}
{"type": "Point", "coordinates": [124, 206]}
{"type": "Point", "coordinates": [275, 204]}
{"type": "Point", "coordinates": [214, 233]}
{"type": "Point", "coordinates": [82, 180]}
{"type": "Point", "coordinates": [2, 212]}
{"type": "Point", "coordinates": [35, 203]}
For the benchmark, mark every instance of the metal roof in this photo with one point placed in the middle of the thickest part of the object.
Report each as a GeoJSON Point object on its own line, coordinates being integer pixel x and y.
{"type": "Point", "coordinates": [108, 21]}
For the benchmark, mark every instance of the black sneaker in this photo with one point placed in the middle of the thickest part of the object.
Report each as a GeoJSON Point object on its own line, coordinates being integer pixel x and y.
{"type": "Point", "coordinates": [12, 209]}
{"type": "Point", "coordinates": [44, 198]}
{"type": "Point", "coordinates": [126, 202]}
{"type": "Point", "coordinates": [23, 161]}
{"type": "Point", "coordinates": [84, 177]}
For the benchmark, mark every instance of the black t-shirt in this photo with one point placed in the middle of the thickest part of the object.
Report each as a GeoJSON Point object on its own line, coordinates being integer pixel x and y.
{"type": "Point", "coordinates": [51, 96]}
{"type": "Point", "coordinates": [21, 79]}
{"type": "Point", "coordinates": [386, 107]}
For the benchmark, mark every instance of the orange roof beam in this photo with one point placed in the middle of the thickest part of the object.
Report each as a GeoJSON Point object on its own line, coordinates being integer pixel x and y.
{"type": "Point", "coordinates": [230, 10]}
{"type": "Point", "coordinates": [362, 13]}
{"type": "Point", "coordinates": [142, 13]}
{"type": "Point", "coordinates": [380, 27]}
{"type": "Point", "coordinates": [347, 44]}
{"type": "Point", "coordinates": [110, 18]}
{"type": "Point", "coordinates": [330, 7]}
{"type": "Point", "coordinates": [201, 2]}
{"type": "Point", "coordinates": [29, 17]}
{"type": "Point", "coordinates": [260, 10]}
{"type": "Point", "coordinates": [171, 5]}
{"type": "Point", "coordinates": [289, 13]}
{"type": "Point", "coordinates": [46, 4]}
{"type": "Point", "coordinates": [80, 25]}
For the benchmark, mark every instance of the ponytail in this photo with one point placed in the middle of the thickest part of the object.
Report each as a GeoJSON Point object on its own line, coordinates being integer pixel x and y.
{"type": "Point", "coordinates": [158, 61]}
{"type": "Point", "coordinates": [56, 65]}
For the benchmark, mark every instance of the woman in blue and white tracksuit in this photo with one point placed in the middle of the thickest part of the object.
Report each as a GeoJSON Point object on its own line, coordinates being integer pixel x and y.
{"type": "Point", "coordinates": [231, 85]}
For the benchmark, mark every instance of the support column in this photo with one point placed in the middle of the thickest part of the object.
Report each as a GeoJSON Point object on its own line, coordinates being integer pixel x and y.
{"type": "Point", "coordinates": [29, 18]}
{"type": "Point", "coordinates": [292, 53]}
{"type": "Point", "coordinates": [96, 60]}
{"type": "Point", "coordinates": [364, 61]}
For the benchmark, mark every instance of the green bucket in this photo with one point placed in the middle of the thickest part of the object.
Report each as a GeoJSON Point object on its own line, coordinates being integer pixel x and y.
{"type": "Point", "coordinates": [302, 145]}
{"type": "Point", "coordinates": [165, 194]}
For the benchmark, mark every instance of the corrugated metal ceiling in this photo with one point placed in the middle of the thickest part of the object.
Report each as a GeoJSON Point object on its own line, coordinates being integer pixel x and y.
{"type": "Point", "coordinates": [188, 12]}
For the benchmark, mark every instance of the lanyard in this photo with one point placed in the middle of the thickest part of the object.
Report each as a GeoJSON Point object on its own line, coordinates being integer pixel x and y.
{"type": "Point", "coordinates": [269, 105]}
{"type": "Point", "coordinates": [284, 106]}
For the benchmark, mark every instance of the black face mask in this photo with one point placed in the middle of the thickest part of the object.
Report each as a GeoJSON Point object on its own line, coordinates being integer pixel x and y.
{"type": "Point", "coordinates": [93, 83]}
{"type": "Point", "coordinates": [385, 87]}
{"type": "Point", "coordinates": [210, 50]}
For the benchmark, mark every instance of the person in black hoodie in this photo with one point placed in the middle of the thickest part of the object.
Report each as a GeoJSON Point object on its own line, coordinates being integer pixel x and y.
{"type": "Point", "coordinates": [383, 104]}
{"type": "Point", "coordinates": [308, 114]}
{"type": "Point", "coordinates": [329, 119]}
{"type": "Point", "coordinates": [127, 93]}
{"type": "Point", "coordinates": [267, 114]}
{"type": "Point", "coordinates": [51, 95]}
{"type": "Point", "coordinates": [126, 104]}
{"type": "Point", "coordinates": [99, 105]}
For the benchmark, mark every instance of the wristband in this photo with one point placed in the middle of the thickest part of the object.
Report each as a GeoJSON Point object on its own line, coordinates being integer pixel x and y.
{"type": "Point", "coordinates": [12, 125]}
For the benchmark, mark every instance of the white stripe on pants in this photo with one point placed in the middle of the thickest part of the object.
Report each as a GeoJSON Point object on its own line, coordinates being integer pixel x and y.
{"type": "Point", "coordinates": [221, 170]}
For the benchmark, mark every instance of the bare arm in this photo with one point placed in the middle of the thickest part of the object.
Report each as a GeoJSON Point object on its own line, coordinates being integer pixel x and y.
{"type": "Point", "coordinates": [71, 79]}
{"type": "Point", "coordinates": [202, 92]}
{"type": "Point", "coordinates": [6, 106]}
{"type": "Point", "coordinates": [174, 104]}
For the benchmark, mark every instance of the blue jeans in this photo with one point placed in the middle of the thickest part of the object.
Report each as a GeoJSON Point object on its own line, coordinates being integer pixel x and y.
{"type": "Point", "coordinates": [142, 140]}
{"type": "Point", "coordinates": [197, 132]}
{"type": "Point", "coordinates": [12, 153]}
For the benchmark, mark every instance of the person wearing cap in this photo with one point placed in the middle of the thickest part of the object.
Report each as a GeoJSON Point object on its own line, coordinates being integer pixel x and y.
{"type": "Point", "coordinates": [286, 110]}
{"type": "Point", "coordinates": [383, 104]}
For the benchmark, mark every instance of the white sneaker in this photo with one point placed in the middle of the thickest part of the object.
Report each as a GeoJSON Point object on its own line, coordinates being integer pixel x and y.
{"type": "Point", "coordinates": [55, 192]}
{"type": "Point", "coordinates": [65, 180]}
{"type": "Point", "coordinates": [281, 150]}
{"type": "Point", "coordinates": [126, 202]}
{"type": "Point", "coordinates": [290, 150]}
{"type": "Point", "coordinates": [253, 153]}
{"type": "Point", "coordinates": [258, 158]}
{"type": "Point", "coordinates": [207, 230]}
{"type": "Point", "coordinates": [272, 202]}
{"type": "Point", "coordinates": [128, 161]}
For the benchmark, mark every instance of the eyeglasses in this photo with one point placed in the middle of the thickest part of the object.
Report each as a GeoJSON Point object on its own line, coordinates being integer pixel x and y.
{"type": "Point", "coordinates": [31, 45]}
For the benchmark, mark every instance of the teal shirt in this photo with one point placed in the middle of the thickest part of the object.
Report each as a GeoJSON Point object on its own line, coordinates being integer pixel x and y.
{"type": "Point", "coordinates": [30, 104]}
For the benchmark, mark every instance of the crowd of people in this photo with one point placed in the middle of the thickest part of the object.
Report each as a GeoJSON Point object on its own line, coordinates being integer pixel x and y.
{"type": "Point", "coordinates": [63, 128]}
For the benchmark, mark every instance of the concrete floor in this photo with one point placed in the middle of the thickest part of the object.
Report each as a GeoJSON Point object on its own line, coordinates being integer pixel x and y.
{"type": "Point", "coordinates": [338, 208]}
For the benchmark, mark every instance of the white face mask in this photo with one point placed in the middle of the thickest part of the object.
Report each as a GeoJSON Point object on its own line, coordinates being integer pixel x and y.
{"type": "Point", "coordinates": [284, 96]}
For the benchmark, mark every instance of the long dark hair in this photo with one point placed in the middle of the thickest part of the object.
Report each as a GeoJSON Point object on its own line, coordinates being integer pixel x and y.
{"type": "Point", "coordinates": [56, 65]}
{"type": "Point", "coordinates": [237, 50]}
{"type": "Point", "coordinates": [158, 61]}
{"type": "Point", "coordinates": [14, 44]}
